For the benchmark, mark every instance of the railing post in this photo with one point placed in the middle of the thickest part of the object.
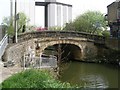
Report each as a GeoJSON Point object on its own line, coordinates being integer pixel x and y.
{"type": "Point", "coordinates": [15, 23]}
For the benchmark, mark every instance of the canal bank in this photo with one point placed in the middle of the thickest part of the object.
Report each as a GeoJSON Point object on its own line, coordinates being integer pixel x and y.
{"type": "Point", "coordinates": [106, 56]}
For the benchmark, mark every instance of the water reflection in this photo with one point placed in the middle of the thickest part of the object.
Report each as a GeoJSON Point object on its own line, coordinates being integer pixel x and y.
{"type": "Point", "coordinates": [94, 81]}
{"type": "Point", "coordinates": [90, 75]}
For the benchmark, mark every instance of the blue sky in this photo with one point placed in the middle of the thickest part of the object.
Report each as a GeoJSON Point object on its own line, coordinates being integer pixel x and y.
{"type": "Point", "coordinates": [79, 7]}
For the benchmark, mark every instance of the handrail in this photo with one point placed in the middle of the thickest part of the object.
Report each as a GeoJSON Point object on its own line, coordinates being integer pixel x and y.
{"type": "Point", "coordinates": [3, 45]}
{"type": "Point", "coordinates": [3, 39]}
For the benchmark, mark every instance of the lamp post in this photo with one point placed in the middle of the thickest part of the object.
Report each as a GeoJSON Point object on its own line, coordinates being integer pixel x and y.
{"type": "Point", "coordinates": [15, 23]}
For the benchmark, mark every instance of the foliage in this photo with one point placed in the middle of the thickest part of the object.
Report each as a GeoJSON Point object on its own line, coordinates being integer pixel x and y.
{"type": "Point", "coordinates": [69, 27]}
{"type": "Point", "coordinates": [33, 79]}
{"type": "Point", "coordinates": [23, 20]}
{"type": "Point", "coordinates": [56, 28]}
{"type": "Point", "coordinates": [31, 28]}
{"type": "Point", "coordinates": [7, 23]}
{"type": "Point", "coordinates": [0, 86]}
{"type": "Point", "coordinates": [90, 21]}
{"type": "Point", "coordinates": [106, 33]}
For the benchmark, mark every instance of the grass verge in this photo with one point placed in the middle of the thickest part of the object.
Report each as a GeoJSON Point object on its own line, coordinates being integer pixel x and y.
{"type": "Point", "coordinates": [33, 78]}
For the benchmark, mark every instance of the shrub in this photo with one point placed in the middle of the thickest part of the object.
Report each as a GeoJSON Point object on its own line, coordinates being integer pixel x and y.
{"type": "Point", "coordinates": [33, 79]}
{"type": "Point", "coordinates": [55, 28]}
{"type": "Point", "coordinates": [106, 33]}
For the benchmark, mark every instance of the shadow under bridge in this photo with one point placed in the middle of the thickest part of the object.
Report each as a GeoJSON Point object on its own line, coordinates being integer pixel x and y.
{"type": "Point", "coordinates": [64, 52]}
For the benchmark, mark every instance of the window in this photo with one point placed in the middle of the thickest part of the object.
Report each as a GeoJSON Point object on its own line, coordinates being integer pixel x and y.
{"type": "Point", "coordinates": [118, 13]}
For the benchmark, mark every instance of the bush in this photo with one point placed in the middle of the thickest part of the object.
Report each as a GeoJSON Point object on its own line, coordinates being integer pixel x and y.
{"type": "Point", "coordinates": [106, 33]}
{"type": "Point", "coordinates": [55, 28]}
{"type": "Point", "coordinates": [33, 79]}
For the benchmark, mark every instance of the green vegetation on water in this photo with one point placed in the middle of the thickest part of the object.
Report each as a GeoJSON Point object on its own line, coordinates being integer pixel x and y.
{"type": "Point", "coordinates": [33, 79]}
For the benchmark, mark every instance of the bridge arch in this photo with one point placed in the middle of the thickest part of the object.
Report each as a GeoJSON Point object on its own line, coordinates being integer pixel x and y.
{"type": "Point", "coordinates": [76, 48]}
{"type": "Point", "coordinates": [51, 43]}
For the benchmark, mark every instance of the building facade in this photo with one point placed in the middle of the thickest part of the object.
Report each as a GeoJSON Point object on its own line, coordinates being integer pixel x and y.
{"type": "Point", "coordinates": [56, 13]}
{"type": "Point", "coordinates": [24, 6]}
{"type": "Point", "coordinates": [113, 17]}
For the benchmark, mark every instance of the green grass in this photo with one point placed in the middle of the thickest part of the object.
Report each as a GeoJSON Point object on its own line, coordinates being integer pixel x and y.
{"type": "Point", "coordinates": [33, 79]}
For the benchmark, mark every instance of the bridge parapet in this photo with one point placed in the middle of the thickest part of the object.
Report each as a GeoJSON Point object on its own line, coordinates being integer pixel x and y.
{"type": "Point", "coordinates": [61, 34]}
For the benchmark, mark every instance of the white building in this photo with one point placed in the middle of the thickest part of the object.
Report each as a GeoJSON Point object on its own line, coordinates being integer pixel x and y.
{"type": "Point", "coordinates": [25, 6]}
{"type": "Point", "coordinates": [56, 13]}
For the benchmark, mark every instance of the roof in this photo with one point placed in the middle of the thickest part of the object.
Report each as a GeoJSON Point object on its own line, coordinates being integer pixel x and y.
{"type": "Point", "coordinates": [111, 4]}
{"type": "Point", "coordinates": [46, 3]}
{"type": "Point", "coordinates": [114, 3]}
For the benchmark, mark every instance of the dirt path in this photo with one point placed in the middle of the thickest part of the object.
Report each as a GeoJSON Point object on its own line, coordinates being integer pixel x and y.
{"type": "Point", "coordinates": [6, 72]}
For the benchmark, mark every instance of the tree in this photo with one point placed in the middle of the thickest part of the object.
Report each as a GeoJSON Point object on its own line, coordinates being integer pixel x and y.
{"type": "Point", "coordinates": [90, 21]}
{"type": "Point", "coordinates": [69, 27]}
{"type": "Point", "coordinates": [7, 23]}
{"type": "Point", "coordinates": [55, 28]}
{"type": "Point", "coordinates": [21, 23]}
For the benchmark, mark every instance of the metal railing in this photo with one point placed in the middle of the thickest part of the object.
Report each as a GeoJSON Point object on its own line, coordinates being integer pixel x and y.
{"type": "Point", "coordinates": [3, 45]}
{"type": "Point", "coordinates": [39, 62]}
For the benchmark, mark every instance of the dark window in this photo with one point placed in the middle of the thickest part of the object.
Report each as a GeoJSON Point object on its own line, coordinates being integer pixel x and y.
{"type": "Point", "coordinates": [118, 13]}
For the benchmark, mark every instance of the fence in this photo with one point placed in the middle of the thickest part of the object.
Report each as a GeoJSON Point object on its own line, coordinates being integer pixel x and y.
{"type": "Point", "coordinates": [3, 45]}
{"type": "Point", "coordinates": [31, 61]}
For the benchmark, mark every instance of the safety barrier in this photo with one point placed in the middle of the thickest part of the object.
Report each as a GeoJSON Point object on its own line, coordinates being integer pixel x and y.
{"type": "Point", "coordinates": [3, 45]}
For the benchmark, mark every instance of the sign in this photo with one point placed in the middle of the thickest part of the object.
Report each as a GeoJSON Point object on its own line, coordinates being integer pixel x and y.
{"type": "Point", "coordinates": [17, 16]}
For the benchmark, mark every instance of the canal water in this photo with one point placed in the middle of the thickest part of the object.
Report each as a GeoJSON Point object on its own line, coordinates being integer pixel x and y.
{"type": "Point", "coordinates": [90, 75]}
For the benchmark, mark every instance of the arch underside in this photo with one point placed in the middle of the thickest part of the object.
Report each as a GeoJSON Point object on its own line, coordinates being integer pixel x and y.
{"type": "Point", "coordinates": [80, 49]}
{"type": "Point", "coordinates": [69, 49]}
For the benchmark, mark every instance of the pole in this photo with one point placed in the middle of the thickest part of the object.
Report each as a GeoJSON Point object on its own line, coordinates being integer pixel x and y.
{"type": "Point", "coordinates": [15, 23]}
{"type": "Point", "coordinates": [40, 61]}
{"type": "Point", "coordinates": [11, 11]}
{"type": "Point", "coordinates": [24, 62]}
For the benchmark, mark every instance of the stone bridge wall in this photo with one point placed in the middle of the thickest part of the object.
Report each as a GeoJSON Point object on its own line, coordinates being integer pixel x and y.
{"type": "Point", "coordinates": [61, 34]}
{"type": "Point", "coordinates": [85, 42]}
{"type": "Point", "coordinates": [15, 52]}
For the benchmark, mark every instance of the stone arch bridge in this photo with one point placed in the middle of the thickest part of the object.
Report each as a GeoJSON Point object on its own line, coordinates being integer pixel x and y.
{"type": "Point", "coordinates": [81, 45]}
